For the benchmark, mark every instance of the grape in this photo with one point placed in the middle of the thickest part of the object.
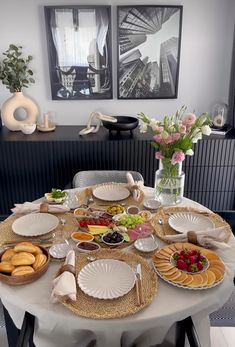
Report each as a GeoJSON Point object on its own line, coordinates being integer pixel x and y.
{"type": "Point", "coordinates": [130, 221]}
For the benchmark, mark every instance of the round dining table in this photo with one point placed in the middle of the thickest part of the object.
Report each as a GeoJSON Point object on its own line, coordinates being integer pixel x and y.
{"type": "Point", "coordinates": [56, 326]}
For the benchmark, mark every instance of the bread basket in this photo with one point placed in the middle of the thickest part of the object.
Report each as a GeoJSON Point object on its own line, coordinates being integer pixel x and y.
{"type": "Point", "coordinates": [29, 278]}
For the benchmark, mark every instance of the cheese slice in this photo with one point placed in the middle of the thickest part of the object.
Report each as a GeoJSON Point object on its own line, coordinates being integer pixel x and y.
{"type": "Point", "coordinates": [97, 229]}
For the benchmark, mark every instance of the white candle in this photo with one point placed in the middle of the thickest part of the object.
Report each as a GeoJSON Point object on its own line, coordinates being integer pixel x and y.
{"type": "Point", "coordinates": [46, 125]}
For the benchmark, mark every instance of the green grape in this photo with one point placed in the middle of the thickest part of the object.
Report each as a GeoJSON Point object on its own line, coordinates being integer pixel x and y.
{"type": "Point", "coordinates": [131, 220]}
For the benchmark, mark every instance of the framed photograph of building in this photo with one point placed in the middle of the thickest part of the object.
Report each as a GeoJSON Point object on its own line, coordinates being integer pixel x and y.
{"type": "Point", "coordinates": [79, 50]}
{"type": "Point", "coordinates": [149, 40]}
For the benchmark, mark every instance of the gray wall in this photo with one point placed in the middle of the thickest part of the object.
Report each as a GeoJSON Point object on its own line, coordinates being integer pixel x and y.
{"type": "Point", "coordinates": [206, 51]}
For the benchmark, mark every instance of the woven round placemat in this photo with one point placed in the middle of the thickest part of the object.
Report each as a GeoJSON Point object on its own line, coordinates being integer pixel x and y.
{"type": "Point", "coordinates": [126, 305]}
{"type": "Point", "coordinates": [164, 213]}
{"type": "Point", "coordinates": [6, 233]}
{"type": "Point", "coordinates": [87, 192]}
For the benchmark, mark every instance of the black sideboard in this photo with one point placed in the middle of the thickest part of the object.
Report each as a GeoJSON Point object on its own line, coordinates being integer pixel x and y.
{"type": "Point", "coordinates": [33, 164]}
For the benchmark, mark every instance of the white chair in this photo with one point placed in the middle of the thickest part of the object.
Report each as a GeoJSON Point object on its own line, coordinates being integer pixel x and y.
{"type": "Point", "coordinates": [88, 178]}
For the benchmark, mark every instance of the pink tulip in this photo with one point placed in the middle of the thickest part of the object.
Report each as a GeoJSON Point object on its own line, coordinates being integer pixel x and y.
{"type": "Point", "coordinates": [157, 138]}
{"type": "Point", "coordinates": [175, 136]}
{"type": "Point", "coordinates": [158, 155]}
{"type": "Point", "coordinates": [177, 157]}
{"type": "Point", "coordinates": [182, 129]}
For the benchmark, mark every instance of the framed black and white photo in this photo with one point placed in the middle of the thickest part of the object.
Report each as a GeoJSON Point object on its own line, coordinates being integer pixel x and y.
{"type": "Point", "coordinates": [79, 49]}
{"type": "Point", "coordinates": [148, 51]}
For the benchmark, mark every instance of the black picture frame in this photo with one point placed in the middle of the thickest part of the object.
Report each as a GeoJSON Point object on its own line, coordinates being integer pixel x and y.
{"type": "Point", "coordinates": [79, 50]}
{"type": "Point", "coordinates": [149, 41]}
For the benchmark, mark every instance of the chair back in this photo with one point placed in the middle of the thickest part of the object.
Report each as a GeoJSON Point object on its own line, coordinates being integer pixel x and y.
{"type": "Point", "coordinates": [88, 178]}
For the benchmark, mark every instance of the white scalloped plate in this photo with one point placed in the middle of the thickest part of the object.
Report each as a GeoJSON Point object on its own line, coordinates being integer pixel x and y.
{"type": "Point", "coordinates": [187, 287]}
{"type": "Point", "coordinates": [35, 224]}
{"type": "Point", "coordinates": [106, 279]}
{"type": "Point", "coordinates": [111, 192]}
{"type": "Point", "coordinates": [189, 221]}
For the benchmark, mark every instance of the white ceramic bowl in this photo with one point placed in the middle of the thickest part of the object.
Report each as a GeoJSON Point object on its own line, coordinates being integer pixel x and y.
{"type": "Point", "coordinates": [77, 236]}
{"type": "Point", "coordinates": [146, 244]}
{"type": "Point", "coordinates": [80, 213]}
{"type": "Point", "coordinates": [151, 204]}
{"type": "Point", "coordinates": [49, 198]}
{"type": "Point", "coordinates": [60, 250]}
{"type": "Point", "coordinates": [88, 244]}
{"type": "Point", "coordinates": [27, 128]}
{"type": "Point", "coordinates": [112, 243]}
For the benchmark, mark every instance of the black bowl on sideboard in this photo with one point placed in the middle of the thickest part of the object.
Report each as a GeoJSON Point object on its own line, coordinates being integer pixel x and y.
{"type": "Point", "coordinates": [124, 123]}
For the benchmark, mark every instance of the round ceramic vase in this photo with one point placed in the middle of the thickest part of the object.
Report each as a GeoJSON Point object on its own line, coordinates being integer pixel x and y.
{"type": "Point", "coordinates": [17, 100]}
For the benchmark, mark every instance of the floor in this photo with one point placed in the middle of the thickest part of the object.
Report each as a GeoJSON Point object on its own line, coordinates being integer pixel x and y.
{"type": "Point", "coordinates": [220, 337]}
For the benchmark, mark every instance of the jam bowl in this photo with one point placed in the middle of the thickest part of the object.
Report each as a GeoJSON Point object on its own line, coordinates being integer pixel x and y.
{"type": "Point", "coordinates": [87, 246]}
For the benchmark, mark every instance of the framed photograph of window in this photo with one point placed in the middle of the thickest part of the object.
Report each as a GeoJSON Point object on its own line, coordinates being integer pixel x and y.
{"type": "Point", "coordinates": [149, 40]}
{"type": "Point", "coordinates": [79, 50]}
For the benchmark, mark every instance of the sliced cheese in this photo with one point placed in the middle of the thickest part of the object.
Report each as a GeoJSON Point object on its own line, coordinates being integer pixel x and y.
{"type": "Point", "coordinates": [97, 229]}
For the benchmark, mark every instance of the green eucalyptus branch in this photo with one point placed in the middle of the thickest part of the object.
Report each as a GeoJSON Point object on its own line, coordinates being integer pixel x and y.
{"type": "Point", "coordinates": [14, 69]}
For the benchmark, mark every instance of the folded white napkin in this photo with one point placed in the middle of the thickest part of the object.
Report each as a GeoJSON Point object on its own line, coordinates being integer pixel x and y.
{"type": "Point", "coordinates": [207, 238]}
{"type": "Point", "coordinates": [134, 186]}
{"type": "Point", "coordinates": [64, 285]}
{"type": "Point", "coordinates": [28, 207]}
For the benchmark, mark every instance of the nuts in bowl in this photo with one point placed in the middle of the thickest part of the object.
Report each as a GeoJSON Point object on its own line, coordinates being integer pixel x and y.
{"type": "Point", "coordinates": [115, 209]}
{"type": "Point", "coordinates": [23, 263]}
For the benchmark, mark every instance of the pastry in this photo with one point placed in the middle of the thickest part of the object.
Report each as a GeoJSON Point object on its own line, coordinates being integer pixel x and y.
{"type": "Point", "coordinates": [25, 247]}
{"type": "Point", "coordinates": [40, 260]}
{"type": "Point", "coordinates": [22, 258]}
{"type": "Point", "coordinates": [22, 270]}
{"type": "Point", "coordinates": [6, 267]}
{"type": "Point", "coordinates": [8, 254]}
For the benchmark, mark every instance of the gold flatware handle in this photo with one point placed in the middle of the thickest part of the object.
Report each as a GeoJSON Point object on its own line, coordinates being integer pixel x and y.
{"type": "Point", "coordinates": [140, 289]}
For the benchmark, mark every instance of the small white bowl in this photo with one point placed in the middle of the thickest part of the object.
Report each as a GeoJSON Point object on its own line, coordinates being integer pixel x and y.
{"type": "Point", "coordinates": [89, 244]}
{"type": "Point", "coordinates": [112, 243]}
{"type": "Point", "coordinates": [60, 250]}
{"type": "Point", "coordinates": [49, 199]}
{"type": "Point", "coordinates": [132, 209]}
{"type": "Point", "coordinates": [146, 244]}
{"type": "Point", "coordinates": [151, 204]}
{"type": "Point", "coordinates": [80, 213]}
{"type": "Point", "coordinates": [77, 239]}
{"type": "Point", "coordinates": [27, 128]}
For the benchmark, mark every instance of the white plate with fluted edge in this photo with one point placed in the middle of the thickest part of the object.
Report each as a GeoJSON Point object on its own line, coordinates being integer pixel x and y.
{"type": "Point", "coordinates": [35, 224]}
{"type": "Point", "coordinates": [111, 192]}
{"type": "Point", "coordinates": [106, 279]}
{"type": "Point", "coordinates": [189, 221]}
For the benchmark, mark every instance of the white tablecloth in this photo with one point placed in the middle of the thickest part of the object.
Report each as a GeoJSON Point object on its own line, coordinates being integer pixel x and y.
{"type": "Point", "coordinates": [56, 326]}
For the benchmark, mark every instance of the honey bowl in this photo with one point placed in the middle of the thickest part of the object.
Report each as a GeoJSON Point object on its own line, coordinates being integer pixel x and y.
{"type": "Point", "coordinates": [79, 236]}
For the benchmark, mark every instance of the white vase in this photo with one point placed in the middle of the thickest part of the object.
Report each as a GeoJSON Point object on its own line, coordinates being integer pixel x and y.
{"type": "Point", "coordinates": [18, 100]}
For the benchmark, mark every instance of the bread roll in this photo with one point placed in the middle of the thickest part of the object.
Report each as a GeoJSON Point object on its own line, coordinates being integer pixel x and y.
{"type": "Point", "coordinates": [22, 258]}
{"type": "Point", "coordinates": [40, 260]}
{"type": "Point", "coordinates": [8, 254]}
{"type": "Point", "coordinates": [6, 267]}
{"type": "Point", "coordinates": [22, 270]}
{"type": "Point", "coordinates": [37, 251]}
{"type": "Point", "coordinates": [25, 247]}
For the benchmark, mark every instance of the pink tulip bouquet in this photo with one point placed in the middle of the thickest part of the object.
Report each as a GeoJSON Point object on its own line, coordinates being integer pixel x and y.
{"type": "Point", "coordinates": [173, 139]}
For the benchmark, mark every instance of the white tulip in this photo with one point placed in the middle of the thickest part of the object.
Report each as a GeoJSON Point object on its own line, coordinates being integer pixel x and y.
{"type": "Point", "coordinates": [197, 137]}
{"type": "Point", "coordinates": [206, 130]}
{"type": "Point", "coordinates": [143, 127]}
{"type": "Point", "coordinates": [189, 152]}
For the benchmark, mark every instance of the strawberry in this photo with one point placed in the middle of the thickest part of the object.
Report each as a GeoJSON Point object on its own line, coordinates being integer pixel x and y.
{"type": "Point", "coordinates": [193, 259]}
{"type": "Point", "coordinates": [193, 252]}
{"type": "Point", "coordinates": [192, 268]}
{"type": "Point", "coordinates": [199, 265]}
{"type": "Point", "coordinates": [181, 264]}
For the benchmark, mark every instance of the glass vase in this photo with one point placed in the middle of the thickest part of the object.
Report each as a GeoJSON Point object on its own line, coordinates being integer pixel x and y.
{"type": "Point", "coordinates": [169, 183]}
